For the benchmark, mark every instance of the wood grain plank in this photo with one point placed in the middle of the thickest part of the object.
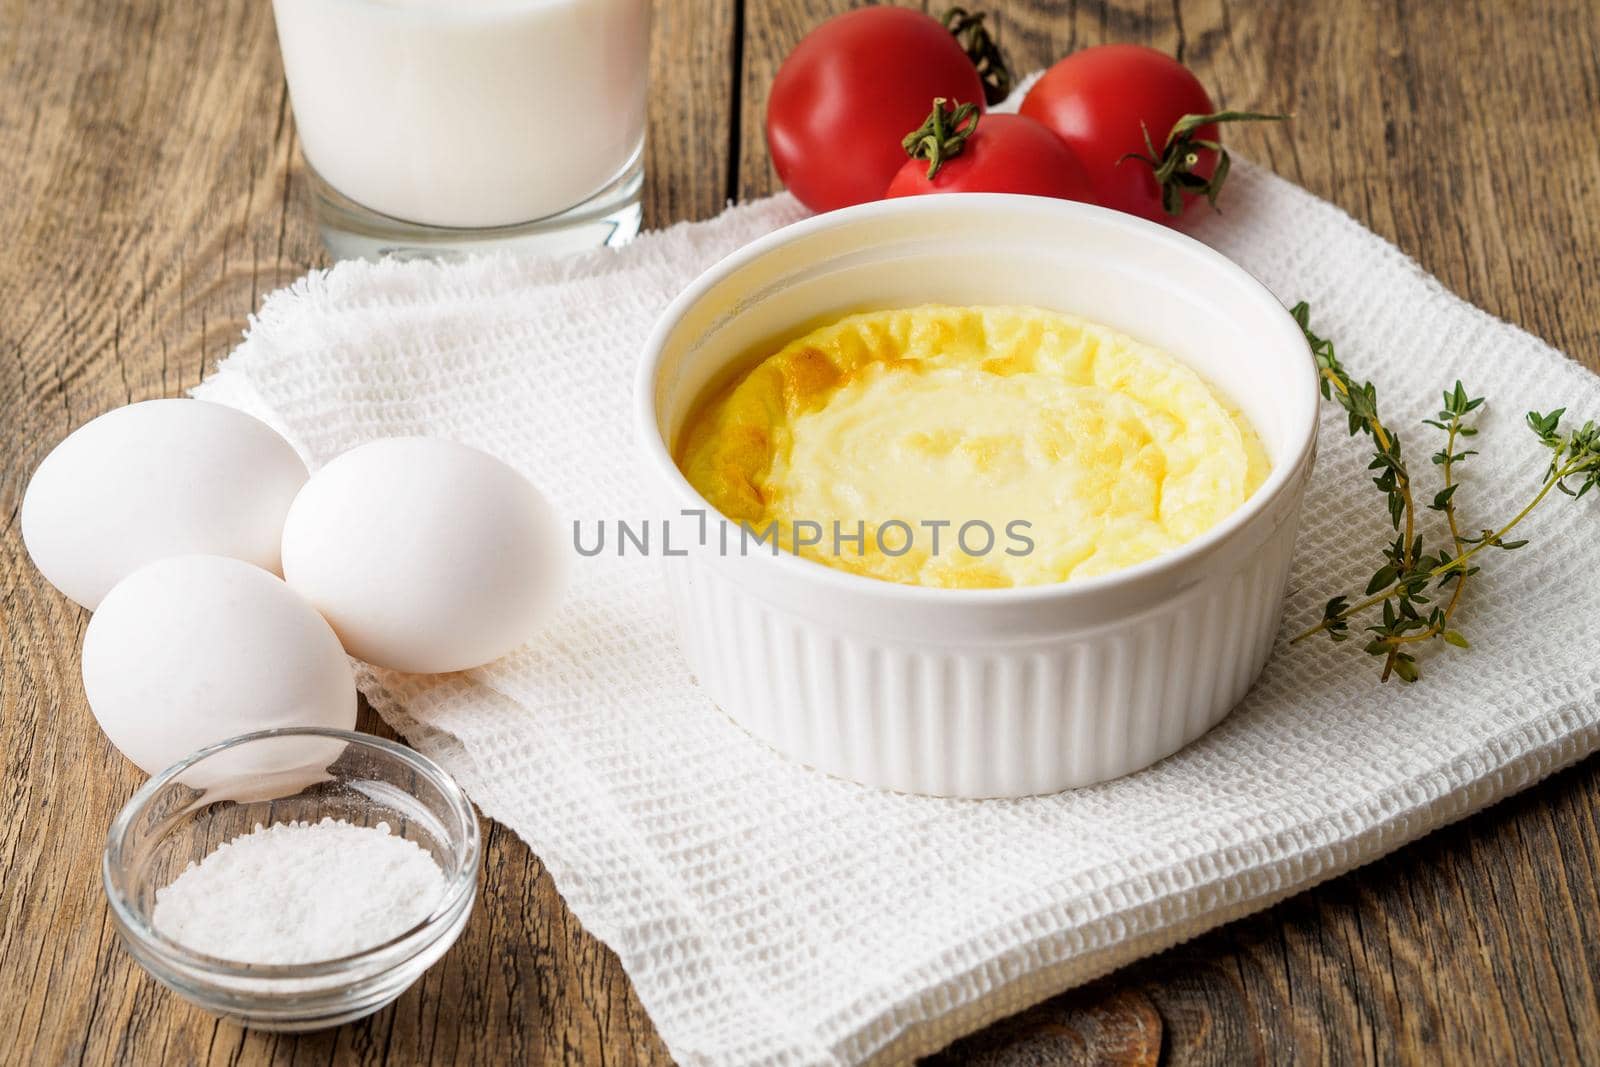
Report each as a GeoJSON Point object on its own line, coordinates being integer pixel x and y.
{"type": "Point", "coordinates": [159, 197]}
{"type": "Point", "coordinates": [156, 194]}
{"type": "Point", "coordinates": [116, 297]}
{"type": "Point", "coordinates": [1478, 944]}
{"type": "Point", "coordinates": [1395, 961]}
{"type": "Point", "coordinates": [693, 59]}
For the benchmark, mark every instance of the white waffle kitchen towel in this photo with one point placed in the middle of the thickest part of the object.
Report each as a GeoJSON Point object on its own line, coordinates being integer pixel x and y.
{"type": "Point", "coordinates": [769, 914]}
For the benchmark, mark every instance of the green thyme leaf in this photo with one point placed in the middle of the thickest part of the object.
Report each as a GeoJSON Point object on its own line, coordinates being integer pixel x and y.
{"type": "Point", "coordinates": [1409, 617]}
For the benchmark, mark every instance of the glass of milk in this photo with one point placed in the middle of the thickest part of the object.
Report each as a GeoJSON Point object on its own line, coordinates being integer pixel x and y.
{"type": "Point", "coordinates": [435, 126]}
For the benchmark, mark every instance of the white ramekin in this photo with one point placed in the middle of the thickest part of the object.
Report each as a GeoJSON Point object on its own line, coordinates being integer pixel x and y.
{"type": "Point", "coordinates": [984, 693]}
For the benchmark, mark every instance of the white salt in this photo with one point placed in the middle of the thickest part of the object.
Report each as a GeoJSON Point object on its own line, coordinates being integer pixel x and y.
{"type": "Point", "coordinates": [300, 892]}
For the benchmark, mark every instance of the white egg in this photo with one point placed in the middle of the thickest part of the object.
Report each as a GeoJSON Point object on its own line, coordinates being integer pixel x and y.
{"type": "Point", "coordinates": [190, 650]}
{"type": "Point", "coordinates": [425, 555]}
{"type": "Point", "coordinates": [157, 479]}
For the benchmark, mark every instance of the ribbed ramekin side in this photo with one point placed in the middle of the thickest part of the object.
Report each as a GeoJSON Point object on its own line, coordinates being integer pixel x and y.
{"type": "Point", "coordinates": [997, 717]}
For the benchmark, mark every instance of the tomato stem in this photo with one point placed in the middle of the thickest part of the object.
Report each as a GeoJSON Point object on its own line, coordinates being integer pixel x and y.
{"type": "Point", "coordinates": [983, 50]}
{"type": "Point", "coordinates": [943, 134]}
{"type": "Point", "coordinates": [1175, 163]}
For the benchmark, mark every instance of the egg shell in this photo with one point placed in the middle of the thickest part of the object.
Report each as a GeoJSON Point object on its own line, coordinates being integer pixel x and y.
{"type": "Point", "coordinates": [156, 479]}
{"type": "Point", "coordinates": [425, 555]}
{"type": "Point", "coordinates": [191, 650]}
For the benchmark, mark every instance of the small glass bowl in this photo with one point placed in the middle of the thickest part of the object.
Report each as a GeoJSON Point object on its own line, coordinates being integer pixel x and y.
{"type": "Point", "coordinates": [301, 774]}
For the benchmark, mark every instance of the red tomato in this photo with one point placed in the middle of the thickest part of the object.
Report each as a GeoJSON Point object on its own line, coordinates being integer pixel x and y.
{"type": "Point", "coordinates": [1100, 101]}
{"type": "Point", "coordinates": [1000, 154]}
{"type": "Point", "coordinates": [849, 92]}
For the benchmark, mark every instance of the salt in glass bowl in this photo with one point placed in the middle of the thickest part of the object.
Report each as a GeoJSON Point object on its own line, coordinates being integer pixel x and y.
{"type": "Point", "coordinates": [273, 776]}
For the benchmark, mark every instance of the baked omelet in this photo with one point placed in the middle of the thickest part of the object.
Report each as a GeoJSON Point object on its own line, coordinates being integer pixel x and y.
{"type": "Point", "coordinates": [901, 436]}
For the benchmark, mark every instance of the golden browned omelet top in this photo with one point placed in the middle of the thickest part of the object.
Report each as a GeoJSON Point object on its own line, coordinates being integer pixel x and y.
{"type": "Point", "coordinates": [1109, 451]}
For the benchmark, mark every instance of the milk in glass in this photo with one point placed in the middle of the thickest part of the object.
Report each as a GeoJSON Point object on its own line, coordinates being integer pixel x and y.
{"type": "Point", "coordinates": [468, 113]}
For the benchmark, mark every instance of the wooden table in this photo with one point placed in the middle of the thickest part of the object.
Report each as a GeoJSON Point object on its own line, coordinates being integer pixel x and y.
{"type": "Point", "coordinates": [152, 193]}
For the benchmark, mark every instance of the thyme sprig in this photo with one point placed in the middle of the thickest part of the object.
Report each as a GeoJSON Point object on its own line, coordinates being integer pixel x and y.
{"type": "Point", "coordinates": [1412, 581]}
